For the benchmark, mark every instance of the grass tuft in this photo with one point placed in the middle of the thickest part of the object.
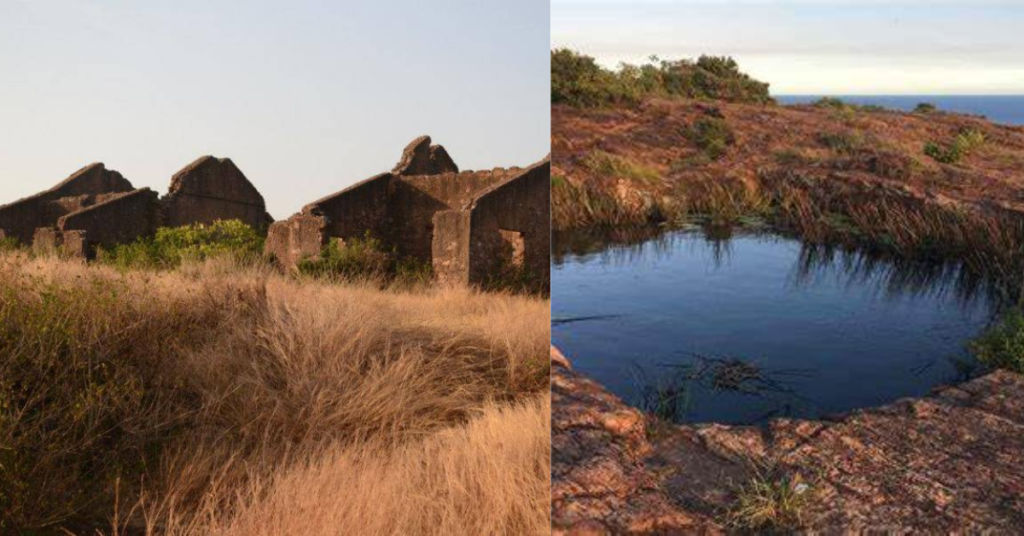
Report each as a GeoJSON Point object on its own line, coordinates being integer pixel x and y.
{"type": "Point", "coordinates": [771, 502]}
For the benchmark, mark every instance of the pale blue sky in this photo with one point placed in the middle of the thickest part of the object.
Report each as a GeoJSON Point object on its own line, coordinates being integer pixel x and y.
{"type": "Point", "coordinates": [815, 47]}
{"type": "Point", "coordinates": [306, 97]}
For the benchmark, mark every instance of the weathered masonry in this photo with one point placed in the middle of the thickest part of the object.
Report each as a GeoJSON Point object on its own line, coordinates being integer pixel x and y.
{"type": "Point", "coordinates": [98, 207]}
{"type": "Point", "coordinates": [470, 226]}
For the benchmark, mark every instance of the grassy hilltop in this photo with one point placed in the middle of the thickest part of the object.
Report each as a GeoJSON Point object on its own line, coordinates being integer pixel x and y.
{"type": "Point", "coordinates": [701, 142]}
{"type": "Point", "coordinates": [183, 386]}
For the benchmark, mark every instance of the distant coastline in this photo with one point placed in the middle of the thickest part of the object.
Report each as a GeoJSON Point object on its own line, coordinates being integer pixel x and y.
{"type": "Point", "coordinates": [1004, 109]}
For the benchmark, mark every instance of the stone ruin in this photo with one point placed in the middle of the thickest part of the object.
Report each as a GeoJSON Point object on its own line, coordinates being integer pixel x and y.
{"type": "Point", "coordinates": [469, 226]}
{"type": "Point", "coordinates": [98, 207]}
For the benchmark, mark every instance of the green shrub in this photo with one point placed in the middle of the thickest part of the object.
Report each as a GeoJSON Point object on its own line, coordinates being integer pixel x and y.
{"type": "Point", "coordinates": [925, 108]}
{"type": "Point", "coordinates": [965, 142]}
{"type": "Point", "coordinates": [712, 135]}
{"type": "Point", "coordinates": [842, 142]}
{"type": "Point", "coordinates": [350, 259]}
{"type": "Point", "coordinates": [578, 80]}
{"type": "Point", "coordinates": [9, 243]}
{"type": "Point", "coordinates": [169, 247]}
{"type": "Point", "coordinates": [831, 102]}
{"type": "Point", "coordinates": [1002, 345]}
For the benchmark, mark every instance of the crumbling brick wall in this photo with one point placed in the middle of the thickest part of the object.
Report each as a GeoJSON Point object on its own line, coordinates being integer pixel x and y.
{"type": "Point", "coordinates": [211, 189]}
{"type": "Point", "coordinates": [91, 184]}
{"type": "Point", "coordinates": [119, 220]}
{"type": "Point", "coordinates": [356, 210]}
{"type": "Point", "coordinates": [450, 246]}
{"type": "Point", "coordinates": [416, 199]}
{"type": "Point", "coordinates": [514, 215]}
{"type": "Point", "coordinates": [300, 237]}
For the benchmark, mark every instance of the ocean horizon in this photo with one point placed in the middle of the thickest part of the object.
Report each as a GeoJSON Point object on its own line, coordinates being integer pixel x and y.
{"type": "Point", "coordinates": [1004, 109]}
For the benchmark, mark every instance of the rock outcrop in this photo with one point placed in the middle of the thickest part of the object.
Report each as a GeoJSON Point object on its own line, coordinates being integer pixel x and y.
{"type": "Point", "coordinates": [949, 462]}
{"type": "Point", "coordinates": [600, 483]}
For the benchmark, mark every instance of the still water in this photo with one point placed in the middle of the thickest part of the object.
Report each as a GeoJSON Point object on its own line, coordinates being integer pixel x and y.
{"type": "Point", "coordinates": [742, 328]}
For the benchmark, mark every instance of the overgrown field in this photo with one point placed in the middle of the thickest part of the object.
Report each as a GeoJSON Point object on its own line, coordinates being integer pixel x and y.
{"type": "Point", "coordinates": [219, 397]}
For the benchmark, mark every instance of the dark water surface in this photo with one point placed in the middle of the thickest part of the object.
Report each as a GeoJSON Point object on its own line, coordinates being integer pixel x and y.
{"type": "Point", "coordinates": [1005, 109]}
{"type": "Point", "coordinates": [744, 328]}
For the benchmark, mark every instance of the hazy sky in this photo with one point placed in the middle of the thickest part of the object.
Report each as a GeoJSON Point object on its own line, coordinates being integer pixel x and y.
{"type": "Point", "coordinates": [814, 47]}
{"type": "Point", "coordinates": [305, 97]}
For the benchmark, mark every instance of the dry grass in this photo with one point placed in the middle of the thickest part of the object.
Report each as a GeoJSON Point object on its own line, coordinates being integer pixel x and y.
{"type": "Point", "coordinates": [199, 400]}
{"type": "Point", "coordinates": [489, 477]}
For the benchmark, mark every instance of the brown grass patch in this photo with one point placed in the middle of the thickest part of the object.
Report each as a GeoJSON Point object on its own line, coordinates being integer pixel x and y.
{"type": "Point", "coordinates": [182, 399]}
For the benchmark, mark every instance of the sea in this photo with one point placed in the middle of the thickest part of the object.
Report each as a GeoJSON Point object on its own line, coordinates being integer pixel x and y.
{"type": "Point", "coordinates": [1005, 109]}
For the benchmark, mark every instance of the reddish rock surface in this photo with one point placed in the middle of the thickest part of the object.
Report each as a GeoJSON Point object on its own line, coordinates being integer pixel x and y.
{"type": "Point", "coordinates": [950, 462]}
{"type": "Point", "coordinates": [599, 481]}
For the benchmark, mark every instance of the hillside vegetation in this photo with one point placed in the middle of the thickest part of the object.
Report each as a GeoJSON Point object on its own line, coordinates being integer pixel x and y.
{"type": "Point", "coordinates": [925, 184]}
{"type": "Point", "coordinates": [219, 397]}
{"type": "Point", "coordinates": [577, 80]}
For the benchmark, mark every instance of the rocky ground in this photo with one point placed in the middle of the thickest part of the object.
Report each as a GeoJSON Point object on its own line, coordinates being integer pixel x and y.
{"type": "Point", "coordinates": [948, 462]}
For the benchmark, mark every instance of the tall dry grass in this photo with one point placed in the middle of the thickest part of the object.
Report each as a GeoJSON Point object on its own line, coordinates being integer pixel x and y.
{"type": "Point", "coordinates": [489, 477]}
{"type": "Point", "coordinates": [198, 401]}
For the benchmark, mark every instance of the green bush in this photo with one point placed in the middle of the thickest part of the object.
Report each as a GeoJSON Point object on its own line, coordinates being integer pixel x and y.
{"type": "Point", "coordinates": [9, 243]}
{"type": "Point", "coordinates": [712, 135]}
{"type": "Point", "coordinates": [965, 142]}
{"type": "Point", "coordinates": [578, 80]}
{"type": "Point", "coordinates": [366, 259]}
{"type": "Point", "coordinates": [169, 247]}
{"type": "Point", "coordinates": [842, 142]}
{"type": "Point", "coordinates": [1002, 345]}
{"type": "Point", "coordinates": [925, 108]}
{"type": "Point", "coordinates": [353, 258]}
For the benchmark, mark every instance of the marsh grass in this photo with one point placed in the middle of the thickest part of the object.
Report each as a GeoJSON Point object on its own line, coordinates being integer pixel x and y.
{"type": "Point", "coordinates": [665, 397]}
{"type": "Point", "coordinates": [589, 205]}
{"type": "Point", "coordinates": [182, 398]}
{"type": "Point", "coordinates": [1001, 346]}
{"type": "Point", "coordinates": [604, 164]}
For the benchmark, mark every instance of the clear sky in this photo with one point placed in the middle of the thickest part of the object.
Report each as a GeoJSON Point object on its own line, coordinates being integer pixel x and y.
{"type": "Point", "coordinates": [815, 47]}
{"type": "Point", "coordinates": [305, 97]}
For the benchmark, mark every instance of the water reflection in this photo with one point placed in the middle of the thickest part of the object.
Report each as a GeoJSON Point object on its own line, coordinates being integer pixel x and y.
{"type": "Point", "coordinates": [740, 325]}
{"type": "Point", "coordinates": [893, 276]}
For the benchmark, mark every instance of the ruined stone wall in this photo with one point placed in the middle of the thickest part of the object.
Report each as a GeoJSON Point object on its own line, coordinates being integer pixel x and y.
{"type": "Point", "coordinates": [299, 237]}
{"type": "Point", "coordinates": [212, 189]}
{"type": "Point", "coordinates": [415, 200]}
{"type": "Point", "coordinates": [422, 158]}
{"type": "Point", "coordinates": [353, 211]}
{"type": "Point", "coordinates": [116, 221]}
{"type": "Point", "coordinates": [21, 218]}
{"type": "Point", "coordinates": [450, 246]}
{"type": "Point", "coordinates": [513, 215]}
